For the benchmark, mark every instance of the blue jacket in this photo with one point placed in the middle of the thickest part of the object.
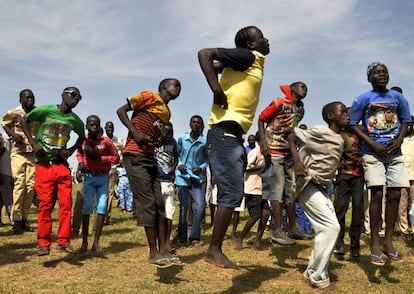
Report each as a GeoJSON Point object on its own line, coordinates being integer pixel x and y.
{"type": "Point", "coordinates": [192, 154]}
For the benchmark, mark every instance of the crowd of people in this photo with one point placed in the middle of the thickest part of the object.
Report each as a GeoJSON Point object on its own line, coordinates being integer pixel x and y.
{"type": "Point", "coordinates": [311, 175]}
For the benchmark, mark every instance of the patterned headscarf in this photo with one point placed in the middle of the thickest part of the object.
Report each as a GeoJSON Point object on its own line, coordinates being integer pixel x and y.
{"type": "Point", "coordinates": [373, 65]}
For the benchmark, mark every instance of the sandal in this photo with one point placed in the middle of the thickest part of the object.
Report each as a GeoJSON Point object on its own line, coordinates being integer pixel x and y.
{"type": "Point", "coordinates": [175, 260]}
{"type": "Point", "coordinates": [163, 262]}
{"type": "Point", "coordinates": [378, 259]}
{"type": "Point", "coordinates": [396, 256]}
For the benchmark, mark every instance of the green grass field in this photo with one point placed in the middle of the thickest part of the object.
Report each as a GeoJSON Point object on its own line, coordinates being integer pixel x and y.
{"type": "Point", "coordinates": [123, 268]}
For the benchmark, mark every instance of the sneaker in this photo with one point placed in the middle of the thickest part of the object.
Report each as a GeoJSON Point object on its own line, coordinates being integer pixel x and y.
{"type": "Point", "coordinates": [196, 243]}
{"type": "Point", "coordinates": [181, 243]}
{"type": "Point", "coordinates": [355, 253]}
{"type": "Point", "coordinates": [317, 284]}
{"type": "Point", "coordinates": [403, 237]}
{"type": "Point", "coordinates": [340, 251]}
{"type": "Point", "coordinates": [44, 250]}
{"type": "Point", "coordinates": [282, 239]}
{"type": "Point", "coordinates": [321, 284]}
{"type": "Point", "coordinates": [297, 235]}
{"type": "Point", "coordinates": [17, 228]}
{"type": "Point", "coordinates": [26, 226]}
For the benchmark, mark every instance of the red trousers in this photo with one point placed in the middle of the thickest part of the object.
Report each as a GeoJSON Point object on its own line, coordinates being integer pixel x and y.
{"type": "Point", "coordinates": [51, 181]}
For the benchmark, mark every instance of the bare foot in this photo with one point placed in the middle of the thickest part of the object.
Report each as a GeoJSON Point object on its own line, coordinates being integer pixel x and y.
{"type": "Point", "coordinates": [83, 248]}
{"type": "Point", "coordinates": [238, 244]}
{"type": "Point", "coordinates": [97, 248]}
{"type": "Point", "coordinates": [220, 260]}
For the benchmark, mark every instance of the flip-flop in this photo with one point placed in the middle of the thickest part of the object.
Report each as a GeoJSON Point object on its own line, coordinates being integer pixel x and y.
{"type": "Point", "coordinates": [396, 256]}
{"type": "Point", "coordinates": [175, 260]}
{"type": "Point", "coordinates": [163, 262]}
{"type": "Point", "coordinates": [378, 259]}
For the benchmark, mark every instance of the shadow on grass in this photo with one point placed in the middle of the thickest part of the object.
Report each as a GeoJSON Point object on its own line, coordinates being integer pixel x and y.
{"type": "Point", "coordinates": [77, 259]}
{"type": "Point", "coordinates": [252, 278]}
{"type": "Point", "coordinates": [16, 252]}
{"type": "Point", "coordinates": [375, 273]}
{"type": "Point", "coordinates": [283, 253]}
{"type": "Point", "coordinates": [169, 275]}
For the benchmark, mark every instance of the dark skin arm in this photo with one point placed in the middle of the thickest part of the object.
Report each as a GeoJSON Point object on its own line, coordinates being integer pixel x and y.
{"type": "Point", "coordinates": [123, 117]}
{"type": "Point", "coordinates": [299, 168]}
{"type": "Point", "coordinates": [211, 69]}
{"type": "Point", "coordinates": [381, 150]}
{"type": "Point", "coordinates": [16, 138]}
{"type": "Point", "coordinates": [39, 151]}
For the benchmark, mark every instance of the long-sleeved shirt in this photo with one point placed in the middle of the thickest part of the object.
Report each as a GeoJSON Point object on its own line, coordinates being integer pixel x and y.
{"type": "Point", "coordinates": [102, 146]}
{"type": "Point", "coordinates": [193, 153]}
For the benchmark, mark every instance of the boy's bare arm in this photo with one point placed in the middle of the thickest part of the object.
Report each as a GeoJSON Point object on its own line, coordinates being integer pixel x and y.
{"type": "Point", "coordinates": [395, 145]}
{"type": "Point", "coordinates": [299, 167]}
{"type": "Point", "coordinates": [38, 150]}
{"type": "Point", "coordinates": [376, 147]}
{"type": "Point", "coordinates": [207, 58]}
{"type": "Point", "coordinates": [123, 117]}
{"type": "Point", "coordinates": [262, 140]}
{"type": "Point", "coordinates": [16, 138]}
{"type": "Point", "coordinates": [66, 153]}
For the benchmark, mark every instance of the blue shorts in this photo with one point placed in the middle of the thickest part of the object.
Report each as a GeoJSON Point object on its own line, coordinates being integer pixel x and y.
{"type": "Point", "coordinates": [227, 158]}
{"type": "Point", "coordinates": [95, 185]}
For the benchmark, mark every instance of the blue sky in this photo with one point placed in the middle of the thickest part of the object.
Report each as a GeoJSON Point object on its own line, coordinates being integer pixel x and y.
{"type": "Point", "coordinates": [114, 49]}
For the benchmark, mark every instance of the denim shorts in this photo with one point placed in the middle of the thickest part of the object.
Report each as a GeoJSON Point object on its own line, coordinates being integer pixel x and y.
{"type": "Point", "coordinates": [95, 186]}
{"type": "Point", "coordinates": [277, 179]}
{"type": "Point", "coordinates": [227, 158]}
{"type": "Point", "coordinates": [388, 172]}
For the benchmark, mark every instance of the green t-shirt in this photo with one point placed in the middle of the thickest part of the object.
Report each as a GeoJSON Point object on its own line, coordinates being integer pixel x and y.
{"type": "Point", "coordinates": [54, 129]}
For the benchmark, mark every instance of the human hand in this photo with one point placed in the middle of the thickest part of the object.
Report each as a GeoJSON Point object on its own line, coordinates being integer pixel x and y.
{"type": "Point", "coordinates": [196, 170]}
{"type": "Point", "coordinates": [182, 168]}
{"type": "Point", "coordinates": [39, 151]}
{"type": "Point", "coordinates": [393, 146]}
{"type": "Point", "coordinates": [220, 99]}
{"type": "Point", "coordinates": [300, 169]}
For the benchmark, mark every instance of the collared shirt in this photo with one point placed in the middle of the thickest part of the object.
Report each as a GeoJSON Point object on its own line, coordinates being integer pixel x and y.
{"type": "Point", "coordinates": [407, 149]}
{"type": "Point", "coordinates": [12, 119]}
{"type": "Point", "coordinates": [102, 146]}
{"type": "Point", "coordinates": [193, 153]}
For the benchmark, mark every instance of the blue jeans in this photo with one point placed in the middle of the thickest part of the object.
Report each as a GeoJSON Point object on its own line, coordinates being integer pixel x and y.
{"type": "Point", "coordinates": [184, 196]}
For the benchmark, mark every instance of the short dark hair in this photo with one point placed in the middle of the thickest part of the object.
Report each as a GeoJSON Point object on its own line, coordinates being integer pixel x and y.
{"type": "Point", "coordinates": [24, 90]}
{"type": "Point", "coordinates": [166, 80]}
{"type": "Point", "coordinates": [93, 116]}
{"type": "Point", "coordinates": [243, 37]}
{"type": "Point", "coordinates": [327, 109]}
{"type": "Point", "coordinates": [201, 119]}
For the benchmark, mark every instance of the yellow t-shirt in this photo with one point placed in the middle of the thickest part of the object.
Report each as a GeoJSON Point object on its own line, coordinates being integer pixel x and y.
{"type": "Point", "coordinates": [242, 89]}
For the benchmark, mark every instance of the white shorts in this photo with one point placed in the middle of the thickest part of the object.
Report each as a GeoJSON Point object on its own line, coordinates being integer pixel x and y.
{"type": "Point", "coordinates": [168, 192]}
{"type": "Point", "coordinates": [242, 205]}
{"type": "Point", "coordinates": [211, 194]}
{"type": "Point", "coordinates": [389, 172]}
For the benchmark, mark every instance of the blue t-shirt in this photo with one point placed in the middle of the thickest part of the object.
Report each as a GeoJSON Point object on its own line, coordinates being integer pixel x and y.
{"type": "Point", "coordinates": [381, 115]}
